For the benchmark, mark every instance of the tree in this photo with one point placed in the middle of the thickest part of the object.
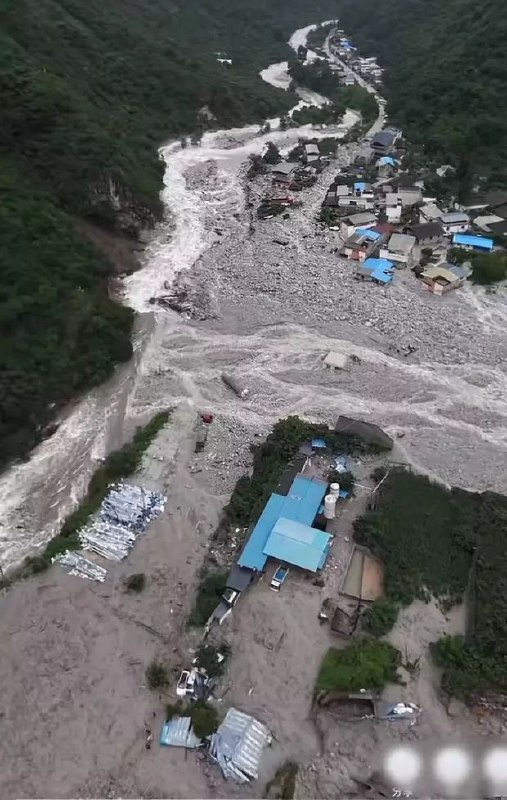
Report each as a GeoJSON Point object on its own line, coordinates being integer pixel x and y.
{"type": "Point", "coordinates": [272, 154]}
{"type": "Point", "coordinates": [136, 582]}
{"type": "Point", "coordinates": [204, 719]}
{"type": "Point", "coordinates": [157, 675]}
{"type": "Point", "coordinates": [489, 268]}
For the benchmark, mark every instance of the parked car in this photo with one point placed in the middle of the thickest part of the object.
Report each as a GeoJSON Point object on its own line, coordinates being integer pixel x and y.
{"type": "Point", "coordinates": [278, 578]}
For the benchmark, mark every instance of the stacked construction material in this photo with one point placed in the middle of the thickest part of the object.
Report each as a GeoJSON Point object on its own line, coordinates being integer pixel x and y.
{"type": "Point", "coordinates": [77, 564]}
{"type": "Point", "coordinates": [125, 513]}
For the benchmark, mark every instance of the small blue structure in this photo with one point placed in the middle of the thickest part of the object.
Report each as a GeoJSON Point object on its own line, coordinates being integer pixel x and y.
{"type": "Point", "coordinates": [378, 269]}
{"type": "Point", "coordinates": [373, 235]}
{"type": "Point", "coordinates": [298, 544]}
{"type": "Point", "coordinates": [319, 444]}
{"type": "Point", "coordinates": [387, 161]}
{"type": "Point", "coordinates": [360, 186]}
{"type": "Point", "coordinates": [253, 556]}
{"type": "Point", "coordinates": [473, 242]}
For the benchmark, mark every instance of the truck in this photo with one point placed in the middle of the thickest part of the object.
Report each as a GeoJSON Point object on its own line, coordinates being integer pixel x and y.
{"type": "Point", "coordinates": [278, 578]}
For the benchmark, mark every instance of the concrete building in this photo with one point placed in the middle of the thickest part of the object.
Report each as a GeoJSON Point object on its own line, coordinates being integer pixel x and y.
{"type": "Point", "coordinates": [399, 249]}
{"type": "Point", "coordinates": [443, 277]}
{"type": "Point", "coordinates": [427, 234]}
{"type": "Point", "coordinates": [383, 142]}
{"type": "Point", "coordinates": [352, 223]}
{"type": "Point", "coordinates": [361, 244]}
{"type": "Point", "coordinates": [430, 213]}
{"type": "Point", "coordinates": [455, 222]}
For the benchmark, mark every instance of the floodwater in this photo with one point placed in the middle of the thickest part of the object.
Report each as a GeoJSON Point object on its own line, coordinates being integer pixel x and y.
{"type": "Point", "coordinates": [176, 362]}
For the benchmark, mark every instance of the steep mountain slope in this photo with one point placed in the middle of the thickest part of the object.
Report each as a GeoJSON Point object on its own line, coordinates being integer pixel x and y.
{"type": "Point", "coordinates": [446, 76]}
{"type": "Point", "coordinates": [89, 90]}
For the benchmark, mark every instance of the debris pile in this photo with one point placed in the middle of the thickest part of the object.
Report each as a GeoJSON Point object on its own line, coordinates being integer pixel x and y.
{"type": "Point", "coordinates": [238, 744]}
{"type": "Point", "coordinates": [125, 513]}
{"type": "Point", "coordinates": [77, 564]}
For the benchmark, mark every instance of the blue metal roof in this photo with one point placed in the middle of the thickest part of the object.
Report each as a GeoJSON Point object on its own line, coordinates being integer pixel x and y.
{"type": "Point", "coordinates": [379, 268]}
{"type": "Point", "coordinates": [468, 240]}
{"type": "Point", "coordinates": [298, 544]}
{"type": "Point", "coordinates": [253, 556]}
{"type": "Point", "coordinates": [319, 443]}
{"type": "Point", "coordinates": [359, 186]}
{"type": "Point", "coordinates": [303, 500]}
{"type": "Point", "coordinates": [387, 160]}
{"type": "Point", "coordinates": [369, 233]}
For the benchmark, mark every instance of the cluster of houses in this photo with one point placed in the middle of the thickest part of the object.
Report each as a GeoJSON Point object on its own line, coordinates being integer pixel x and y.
{"type": "Point", "coordinates": [387, 225]}
{"type": "Point", "coordinates": [368, 68]}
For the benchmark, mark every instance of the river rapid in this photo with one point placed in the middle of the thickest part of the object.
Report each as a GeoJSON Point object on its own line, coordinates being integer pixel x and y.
{"type": "Point", "coordinates": [176, 361]}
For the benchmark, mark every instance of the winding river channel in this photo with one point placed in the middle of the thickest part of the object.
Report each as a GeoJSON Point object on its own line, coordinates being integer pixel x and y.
{"type": "Point", "coordinates": [35, 496]}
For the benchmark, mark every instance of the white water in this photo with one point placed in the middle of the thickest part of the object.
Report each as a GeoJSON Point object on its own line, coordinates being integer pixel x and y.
{"type": "Point", "coordinates": [174, 361]}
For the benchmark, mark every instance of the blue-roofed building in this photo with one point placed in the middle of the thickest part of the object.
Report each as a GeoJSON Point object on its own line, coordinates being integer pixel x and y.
{"type": "Point", "coordinates": [253, 556]}
{"type": "Point", "coordinates": [298, 544]}
{"type": "Point", "coordinates": [368, 233]}
{"type": "Point", "coordinates": [387, 161]}
{"type": "Point", "coordinates": [360, 186]}
{"type": "Point", "coordinates": [301, 505]}
{"type": "Point", "coordinates": [304, 499]}
{"type": "Point", "coordinates": [471, 242]}
{"type": "Point", "coordinates": [377, 269]}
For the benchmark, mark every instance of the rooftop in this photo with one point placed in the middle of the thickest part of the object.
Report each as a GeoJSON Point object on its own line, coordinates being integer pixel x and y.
{"type": "Point", "coordinates": [380, 269]}
{"type": "Point", "coordinates": [427, 230]}
{"type": "Point", "coordinates": [362, 219]}
{"type": "Point", "coordinates": [468, 240]}
{"type": "Point", "coordinates": [401, 243]}
{"type": "Point", "coordinates": [431, 211]}
{"type": "Point", "coordinates": [454, 217]}
{"type": "Point", "coordinates": [284, 168]}
{"type": "Point", "coordinates": [298, 544]}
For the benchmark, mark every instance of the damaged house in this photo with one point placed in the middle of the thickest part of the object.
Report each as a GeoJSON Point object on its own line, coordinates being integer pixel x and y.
{"type": "Point", "coordinates": [361, 244]}
{"type": "Point", "coordinates": [399, 249]}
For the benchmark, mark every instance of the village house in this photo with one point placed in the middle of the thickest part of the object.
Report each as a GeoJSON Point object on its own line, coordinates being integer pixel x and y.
{"type": "Point", "coordinates": [485, 222]}
{"type": "Point", "coordinates": [361, 244]}
{"type": "Point", "coordinates": [399, 249]}
{"type": "Point", "coordinates": [312, 153]}
{"type": "Point", "coordinates": [353, 222]}
{"type": "Point", "coordinates": [430, 213]}
{"type": "Point", "coordinates": [383, 142]}
{"type": "Point", "coordinates": [477, 244]}
{"type": "Point", "coordinates": [455, 222]}
{"type": "Point", "coordinates": [443, 277]}
{"type": "Point", "coordinates": [378, 270]}
{"type": "Point", "coordinates": [427, 234]}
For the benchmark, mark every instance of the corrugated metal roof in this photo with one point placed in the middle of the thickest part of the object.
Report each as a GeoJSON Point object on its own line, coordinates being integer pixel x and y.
{"type": "Point", "coordinates": [298, 544]}
{"type": "Point", "coordinates": [368, 232]}
{"type": "Point", "coordinates": [472, 241]}
{"type": "Point", "coordinates": [178, 732]}
{"type": "Point", "coordinates": [239, 578]}
{"type": "Point", "coordinates": [253, 556]}
{"type": "Point", "coordinates": [303, 500]}
{"type": "Point", "coordinates": [454, 217]}
{"type": "Point", "coordinates": [238, 744]}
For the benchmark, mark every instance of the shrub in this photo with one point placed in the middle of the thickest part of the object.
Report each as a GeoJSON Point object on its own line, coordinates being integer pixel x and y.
{"type": "Point", "coordinates": [204, 719]}
{"type": "Point", "coordinates": [362, 665]}
{"type": "Point", "coordinates": [488, 269]}
{"type": "Point", "coordinates": [208, 594]}
{"type": "Point", "coordinates": [345, 479]}
{"type": "Point", "coordinates": [157, 675]}
{"type": "Point", "coordinates": [208, 658]}
{"type": "Point", "coordinates": [380, 617]}
{"type": "Point", "coordinates": [135, 582]}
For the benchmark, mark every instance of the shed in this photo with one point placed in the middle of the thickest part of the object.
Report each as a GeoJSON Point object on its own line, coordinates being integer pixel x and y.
{"type": "Point", "coordinates": [238, 744]}
{"type": "Point", "coordinates": [178, 732]}
{"type": "Point", "coordinates": [473, 242]}
{"type": "Point", "coordinates": [253, 556]}
{"type": "Point", "coordinates": [239, 578]}
{"type": "Point", "coordinates": [336, 360]}
{"type": "Point", "coordinates": [298, 544]}
{"type": "Point", "coordinates": [284, 168]}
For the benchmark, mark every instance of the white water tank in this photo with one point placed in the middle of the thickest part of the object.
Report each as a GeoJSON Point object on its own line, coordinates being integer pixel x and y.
{"type": "Point", "coordinates": [330, 506]}
{"type": "Point", "coordinates": [334, 490]}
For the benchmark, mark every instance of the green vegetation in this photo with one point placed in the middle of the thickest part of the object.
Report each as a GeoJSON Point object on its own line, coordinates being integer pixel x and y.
{"type": "Point", "coordinates": [119, 464]}
{"type": "Point", "coordinates": [204, 719]}
{"type": "Point", "coordinates": [208, 595]}
{"type": "Point", "coordinates": [424, 534]}
{"type": "Point", "coordinates": [487, 268]}
{"type": "Point", "coordinates": [270, 459]}
{"type": "Point", "coordinates": [157, 675]}
{"type": "Point", "coordinates": [208, 657]}
{"type": "Point", "coordinates": [443, 87]}
{"type": "Point", "coordinates": [319, 77]}
{"type": "Point", "coordinates": [135, 583]}
{"type": "Point", "coordinates": [345, 479]}
{"type": "Point", "coordinates": [380, 617]}
{"type": "Point", "coordinates": [89, 91]}
{"type": "Point", "coordinates": [365, 664]}
{"type": "Point", "coordinates": [441, 543]}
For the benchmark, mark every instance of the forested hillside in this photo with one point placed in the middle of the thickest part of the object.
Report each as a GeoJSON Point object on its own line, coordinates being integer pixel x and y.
{"type": "Point", "coordinates": [446, 77]}
{"type": "Point", "coordinates": [89, 89]}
